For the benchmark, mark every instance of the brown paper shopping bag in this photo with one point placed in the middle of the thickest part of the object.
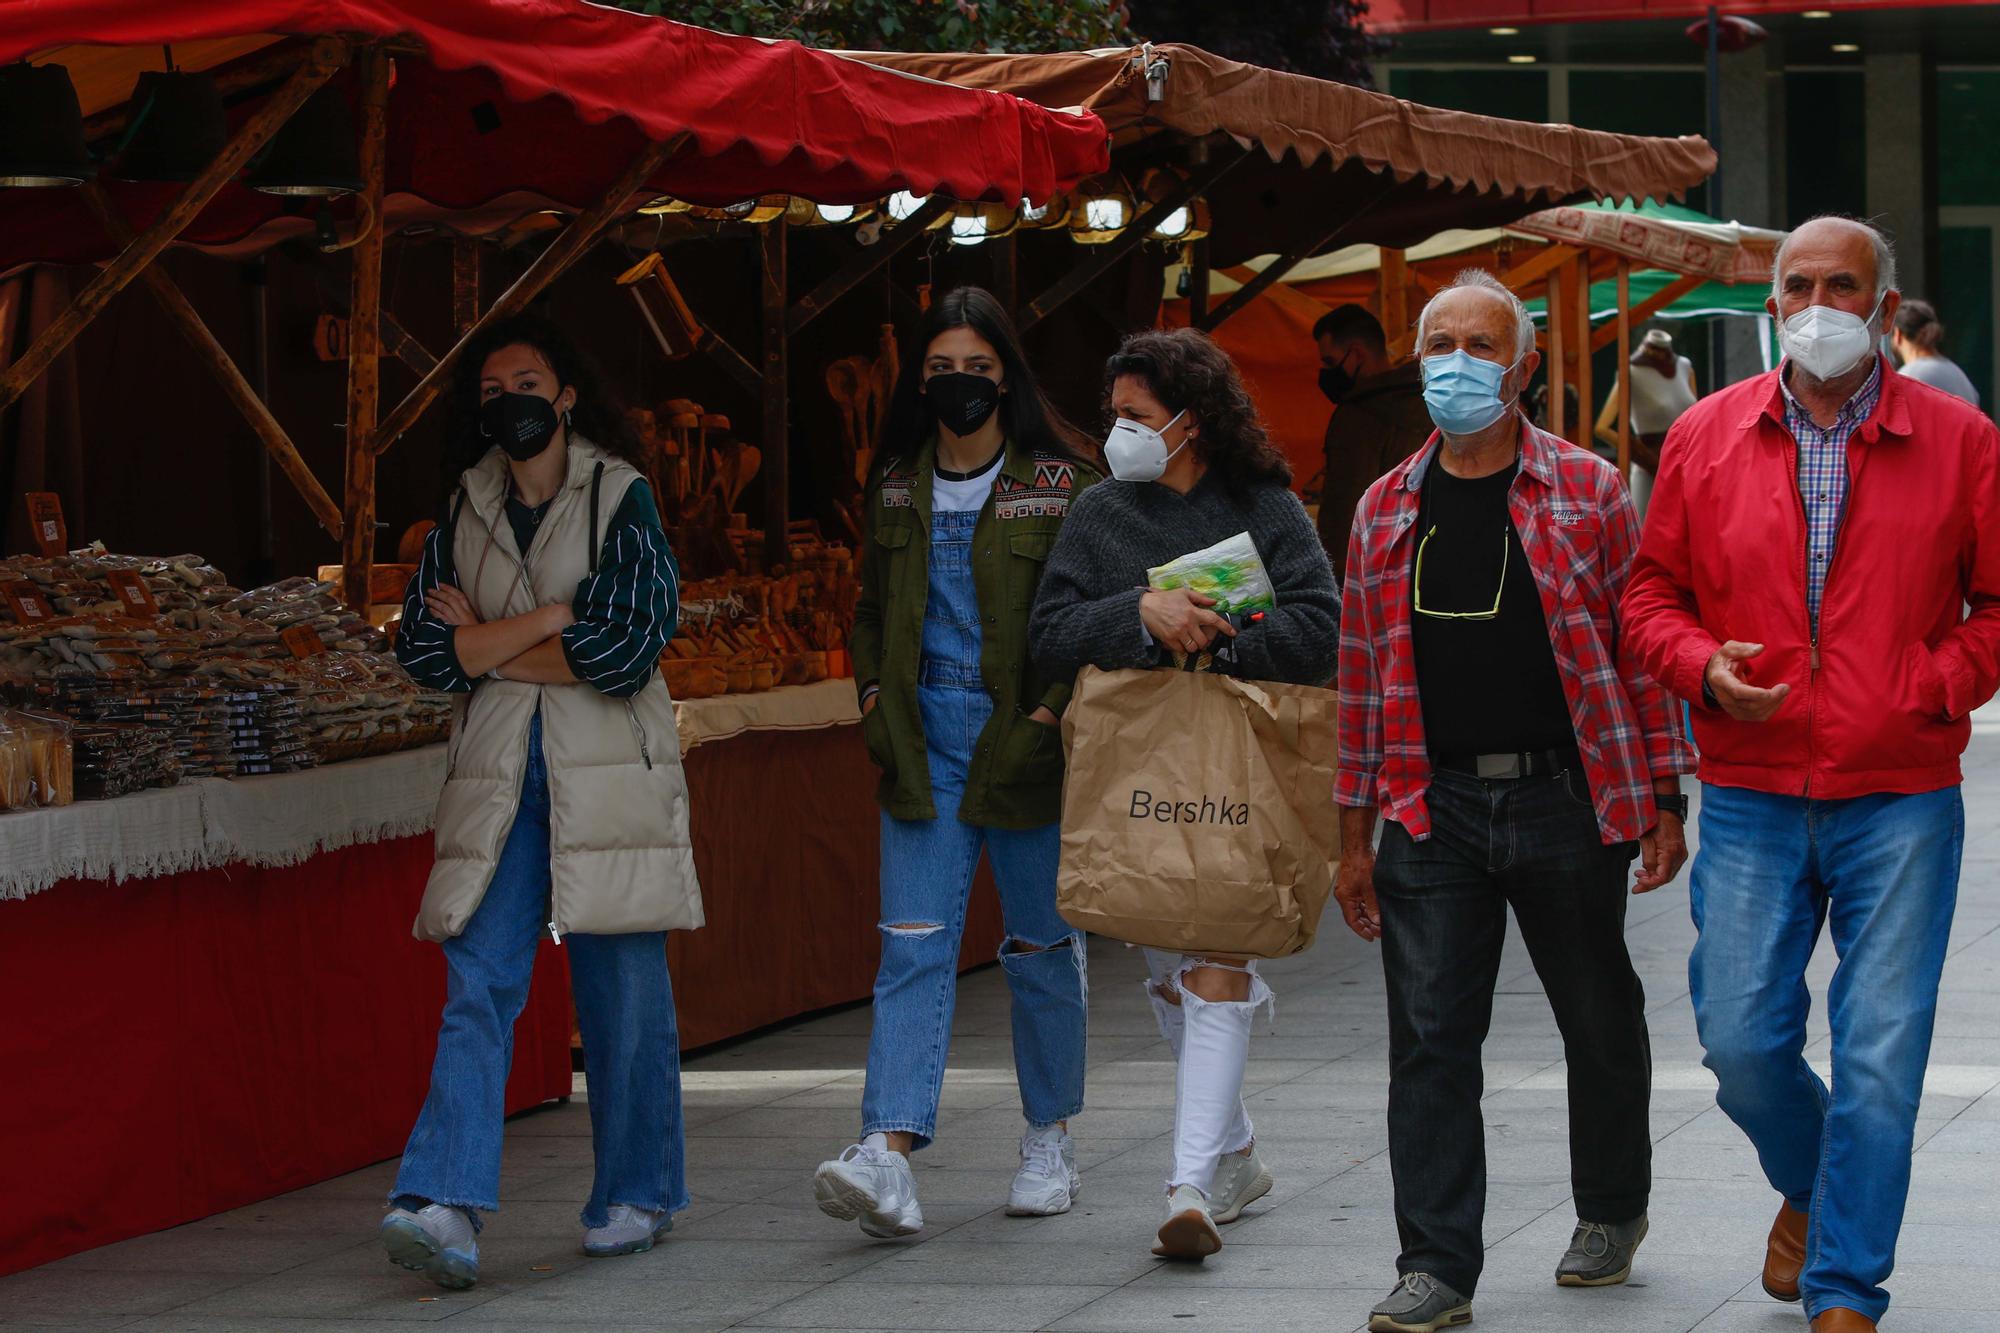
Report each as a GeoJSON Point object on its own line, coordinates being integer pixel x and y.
{"type": "Point", "coordinates": [1198, 811]}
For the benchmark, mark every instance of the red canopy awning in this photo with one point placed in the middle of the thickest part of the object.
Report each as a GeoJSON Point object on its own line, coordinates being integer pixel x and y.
{"type": "Point", "coordinates": [553, 99]}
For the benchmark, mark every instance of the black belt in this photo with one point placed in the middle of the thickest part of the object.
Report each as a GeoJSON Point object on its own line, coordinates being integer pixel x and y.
{"type": "Point", "coordinates": [1532, 764]}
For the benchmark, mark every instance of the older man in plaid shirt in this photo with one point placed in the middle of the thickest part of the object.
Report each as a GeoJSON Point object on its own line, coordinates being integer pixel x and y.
{"type": "Point", "coordinates": [1484, 711]}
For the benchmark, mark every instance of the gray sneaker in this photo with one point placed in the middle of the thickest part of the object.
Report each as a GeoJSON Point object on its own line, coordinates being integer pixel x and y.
{"type": "Point", "coordinates": [627, 1230]}
{"type": "Point", "coordinates": [1239, 1182]}
{"type": "Point", "coordinates": [1600, 1254]}
{"type": "Point", "coordinates": [1419, 1304]}
{"type": "Point", "coordinates": [436, 1240]}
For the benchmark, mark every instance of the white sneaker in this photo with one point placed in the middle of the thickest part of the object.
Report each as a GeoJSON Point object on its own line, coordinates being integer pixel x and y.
{"type": "Point", "coordinates": [627, 1230]}
{"type": "Point", "coordinates": [437, 1241]}
{"type": "Point", "coordinates": [873, 1184]}
{"type": "Point", "coordinates": [1239, 1182]}
{"type": "Point", "coordinates": [1047, 1183]}
{"type": "Point", "coordinates": [1189, 1232]}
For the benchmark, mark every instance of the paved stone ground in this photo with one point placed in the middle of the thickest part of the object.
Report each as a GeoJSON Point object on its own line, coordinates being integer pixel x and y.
{"type": "Point", "coordinates": [753, 1253]}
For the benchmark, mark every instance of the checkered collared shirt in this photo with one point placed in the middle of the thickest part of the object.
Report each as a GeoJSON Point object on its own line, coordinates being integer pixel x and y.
{"type": "Point", "coordinates": [1823, 475]}
{"type": "Point", "coordinates": [1580, 533]}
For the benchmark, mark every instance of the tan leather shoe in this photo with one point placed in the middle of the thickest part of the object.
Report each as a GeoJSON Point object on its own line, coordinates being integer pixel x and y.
{"type": "Point", "coordinates": [1842, 1320]}
{"type": "Point", "coordinates": [1785, 1255]}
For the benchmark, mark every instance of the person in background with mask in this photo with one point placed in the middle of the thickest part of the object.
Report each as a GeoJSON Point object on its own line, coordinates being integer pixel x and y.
{"type": "Point", "coordinates": [1662, 388]}
{"type": "Point", "coordinates": [974, 477]}
{"type": "Point", "coordinates": [1817, 536]}
{"type": "Point", "coordinates": [1916, 334]}
{"type": "Point", "coordinates": [1191, 466]}
{"type": "Point", "coordinates": [1517, 765]}
{"type": "Point", "coordinates": [543, 600]}
{"type": "Point", "coordinates": [1378, 418]}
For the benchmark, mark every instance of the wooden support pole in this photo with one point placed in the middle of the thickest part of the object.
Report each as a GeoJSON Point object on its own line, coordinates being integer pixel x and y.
{"type": "Point", "coordinates": [1649, 307]}
{"type": "Point", "coordinates": [564, 250]}
{"type": "Point", "coordinates": [212, 354]}
{"type": "Point", "coordinates": [364, 337]}
{"type": "Point", "coordinates": [1555, 301]}
{"type": "Point", "coordinates": [1136, 233]}
{"type": "Point", "coordinates": [1395, 293]}
{"type": "Point", "coordinates": [1585, 399]}
{"type": "Point", "coordinates": [328, 55]}
{"type": "Point", "coordinates": [400, 343]}
{"type": "Point", "coordinates": [1286, 262]}
{"type": "Point", "coordinates": [1199, 273]}
{"type": "Point", "coordinates": [1624, 389]}
{"type": "Point", "coordinates": [894, 241]}
{"type": "Point", "coordinates": [464, 284]}
{"type": "Point", "coordinates": [776, 467]}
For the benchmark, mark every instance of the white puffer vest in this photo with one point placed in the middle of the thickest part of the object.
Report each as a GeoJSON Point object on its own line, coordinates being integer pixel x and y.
{"type": "Point", "coordinates": [620, 858]}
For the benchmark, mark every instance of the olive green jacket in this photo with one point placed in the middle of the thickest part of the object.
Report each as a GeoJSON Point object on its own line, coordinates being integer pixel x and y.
{"type": "Point", "coordinates": [1016, 776]}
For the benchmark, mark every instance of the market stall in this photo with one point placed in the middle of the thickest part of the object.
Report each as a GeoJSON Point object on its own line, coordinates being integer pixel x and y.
{"type": "Point", "coordinates": [204, 929]}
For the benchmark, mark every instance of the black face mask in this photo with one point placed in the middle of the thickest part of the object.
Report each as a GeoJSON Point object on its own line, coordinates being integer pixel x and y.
{"type": "Point", "coordinates": [1336, 382]}
{"type": "Point", "coordinates": [520, 423]}
{"type": "Point", "coordinates": [961, 403]}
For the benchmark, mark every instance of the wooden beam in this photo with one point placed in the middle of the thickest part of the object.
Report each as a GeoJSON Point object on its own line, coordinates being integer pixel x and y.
{"type": "Point", "coordinates": [238, 389]}
{"type": "Point", "coordinates": [328, 55]}
{"type": "Point", "coordinates": [1624, 389]}
{"type": "Point", "coordinates": [869, 259]}
{"type": "Point", "coordinates": [1282, 294]}
{"type": "Point", "coordinates": [464, 284]}
{"type": "Point", "coordinates": [364, 337]}
{"type": "Point", "coordinates": [1006, 272]}
{"type": "Point", "coordinates": [400, 343]}
{"type": "Point", "coordinates": [730, 361]}
{"type": "Point", "coordinates": [1088, 269]}
{"type": "Point", "coordinates": [1584, 397]}
{"type": "Point", "coordinates": [1649, 307]}
{"type": "Point", "coordinates": [1286, 262]}
{"type": "Point", "coordinates": [564, 250]}
{"type": "Point", "coordinates": [1199, 273]}
{"type": "Point", "coordinates": [777, 464]}
{"type": "Point", "coordinates": [1558, 322]}
{"type": "Point", "coordinates": [1551, 259]}
{"type": "Point", "coordinates": [1395, 276]}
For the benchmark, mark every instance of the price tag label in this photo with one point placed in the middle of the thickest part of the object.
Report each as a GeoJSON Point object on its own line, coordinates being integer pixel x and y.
{"type": "Point", "coordinates": [27, 601]}
{"type": "Point", "coordinates": [134, 597]}
{"type": "Point", "coordinates": [45, 517]}
{"type": "Point", "coordinates": [303, 640]}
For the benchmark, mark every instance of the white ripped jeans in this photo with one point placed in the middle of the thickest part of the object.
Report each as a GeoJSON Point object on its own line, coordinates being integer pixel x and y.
{"type": "Point", "coordinates": [1211, 1045]}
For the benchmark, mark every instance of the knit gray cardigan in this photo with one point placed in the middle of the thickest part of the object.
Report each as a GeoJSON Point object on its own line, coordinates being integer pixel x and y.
{"type": "Point", "coordinates": [1087, 609]}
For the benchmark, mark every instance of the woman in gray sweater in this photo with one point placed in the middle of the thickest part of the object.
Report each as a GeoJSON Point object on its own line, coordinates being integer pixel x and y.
{"type": "Point", "coordinates": [1192, 466]}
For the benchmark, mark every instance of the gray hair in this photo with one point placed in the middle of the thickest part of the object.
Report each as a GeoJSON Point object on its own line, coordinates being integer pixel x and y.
{"type": "Point", "coordinates": [1885, 256]}
{"type": "Point", "coordinates": [1524, 324]}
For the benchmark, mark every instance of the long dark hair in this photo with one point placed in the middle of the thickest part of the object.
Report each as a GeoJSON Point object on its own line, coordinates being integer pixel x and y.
{"type": "Point", "coordinates": [1187, 371]}
{"type": "Point", "coordinates": [598, 415]}
{"type": "Point", "coordinates": [1026, 414]}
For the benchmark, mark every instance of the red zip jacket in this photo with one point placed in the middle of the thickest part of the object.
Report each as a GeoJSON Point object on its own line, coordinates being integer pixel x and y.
{"type": "Point", "coordinates": [1879, 703]}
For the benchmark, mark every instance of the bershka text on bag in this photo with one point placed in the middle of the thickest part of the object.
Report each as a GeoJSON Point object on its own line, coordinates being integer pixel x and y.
{"type": "Point", "coordinates": [1206, 811]}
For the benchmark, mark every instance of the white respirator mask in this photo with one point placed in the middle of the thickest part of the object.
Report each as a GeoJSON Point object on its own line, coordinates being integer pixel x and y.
{"type": "Point", "coordinates": [1137, 452]}
{"type": "Point", "coordinates": [1828, 342]}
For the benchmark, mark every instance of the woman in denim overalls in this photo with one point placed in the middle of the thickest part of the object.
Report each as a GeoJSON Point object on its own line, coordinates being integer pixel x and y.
{"type": "Point", "coordinates": [971, 482]}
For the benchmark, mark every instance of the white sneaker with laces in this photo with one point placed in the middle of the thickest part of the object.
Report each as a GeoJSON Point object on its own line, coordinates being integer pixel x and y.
{"type": "Point", "coordinates": [1189, 1232]}
{"type": "Point", "coordinates": [436, 1240]}
{"type": "Point", "coordinates": [1240, 1180]}
{"type": "Point", "coordinates": [873, 1184]}
{"type": "Point", "coordinates": [1047, 1183]}
{"type": "Point", "coordinates": [627, 1230]}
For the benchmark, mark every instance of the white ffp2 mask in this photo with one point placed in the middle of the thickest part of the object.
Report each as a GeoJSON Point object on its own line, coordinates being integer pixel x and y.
{"type": "Point", "coordinates": [1826, 341]}
{"type": "Point", "coordinates": [1137, 452]}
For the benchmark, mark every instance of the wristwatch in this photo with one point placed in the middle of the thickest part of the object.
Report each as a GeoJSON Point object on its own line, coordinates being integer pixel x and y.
{"type": "Point", "coordinates": [1676, 805]}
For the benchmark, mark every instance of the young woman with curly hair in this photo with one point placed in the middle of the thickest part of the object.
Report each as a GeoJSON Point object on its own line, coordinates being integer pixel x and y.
{"type": "Point", "coordinates": [1192, 466]}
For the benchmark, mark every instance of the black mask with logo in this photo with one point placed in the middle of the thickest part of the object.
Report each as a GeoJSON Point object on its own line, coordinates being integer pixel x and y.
{"type": "Point", "coordinates": [520, 423]}
{"type": "Point", "coordinates": [962, 403]}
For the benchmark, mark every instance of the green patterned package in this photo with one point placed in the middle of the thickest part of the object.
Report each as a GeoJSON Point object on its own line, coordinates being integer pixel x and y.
{"type": "Point", "coordinates": [1231, 572]}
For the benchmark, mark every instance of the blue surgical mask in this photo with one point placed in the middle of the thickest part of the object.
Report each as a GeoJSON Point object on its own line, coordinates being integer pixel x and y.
{"type": "Point", "coordinates": [1463, 392]}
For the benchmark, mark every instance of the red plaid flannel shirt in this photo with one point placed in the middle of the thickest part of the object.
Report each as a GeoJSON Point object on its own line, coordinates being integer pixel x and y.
{"type": "Point", "coordinates": [1580, 534]}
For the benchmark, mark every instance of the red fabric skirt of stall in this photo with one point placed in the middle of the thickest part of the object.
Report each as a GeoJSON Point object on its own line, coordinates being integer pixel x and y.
{"type": "Point", "coordinates": [179, 1046]}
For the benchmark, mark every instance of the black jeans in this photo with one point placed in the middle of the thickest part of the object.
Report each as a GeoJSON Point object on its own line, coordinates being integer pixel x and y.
{"type": "Point", "coordinates": [1532, 843]}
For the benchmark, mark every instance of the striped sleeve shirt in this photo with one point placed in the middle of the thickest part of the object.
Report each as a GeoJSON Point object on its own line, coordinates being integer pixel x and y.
{"type": "Point", "coordinates": [625, 612]}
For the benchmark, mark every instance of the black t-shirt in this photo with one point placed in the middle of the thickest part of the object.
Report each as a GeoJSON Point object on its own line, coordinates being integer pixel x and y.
{"type": "Point", "coordinates": [1487, 686]}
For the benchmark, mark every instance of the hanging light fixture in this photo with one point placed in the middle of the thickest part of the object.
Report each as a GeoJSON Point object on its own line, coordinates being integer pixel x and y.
{"type": "Point", "coordinates": [178, 127]}
{"type": "Point", "coordinates": [664, 205]}
{"type": "Point", "coordinates": [973, 223]}
{"type": "Point", "coordinates": [1051, 213]}
{"type": "Point", "coordinates": [902, 205]}
{"type": "Point", "coordinates": [41, 124]}
{"type": "Point", "coordinates": [313, 155]}
{"type": "Point", "coordinates": [1104, 208]}
{"type": "Point", "coordinates": [1189, 222]}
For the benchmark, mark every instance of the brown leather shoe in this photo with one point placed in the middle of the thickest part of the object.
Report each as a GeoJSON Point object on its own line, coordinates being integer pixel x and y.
{"type": "Point", "coordinates": [1842, 1320]}
{"type": "Point", "coordinates": [1785, 1256]}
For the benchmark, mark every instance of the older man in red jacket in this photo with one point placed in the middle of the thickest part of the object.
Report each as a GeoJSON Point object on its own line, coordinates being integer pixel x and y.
{"type": "Point", "coordinates": [1816, 536]}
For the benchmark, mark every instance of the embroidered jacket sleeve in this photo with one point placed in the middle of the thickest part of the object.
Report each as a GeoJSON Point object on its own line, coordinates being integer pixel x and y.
{"type": "Point", "coordinates": [426, 645]}
{"type": "Point", "coordinates": [628, 609]}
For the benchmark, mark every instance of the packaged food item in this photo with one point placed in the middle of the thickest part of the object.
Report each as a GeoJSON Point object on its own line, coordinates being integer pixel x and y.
{"type": "Point", "coordinates": [1229, 572]}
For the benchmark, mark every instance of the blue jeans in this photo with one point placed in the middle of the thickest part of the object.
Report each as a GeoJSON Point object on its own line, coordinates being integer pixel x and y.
{"type": "Point", "coordinates": [1883, 872]}
{"type": "Point", "coordinates": [624, 1008]}
{"type": "Point", "coordinates": [927, 870]}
